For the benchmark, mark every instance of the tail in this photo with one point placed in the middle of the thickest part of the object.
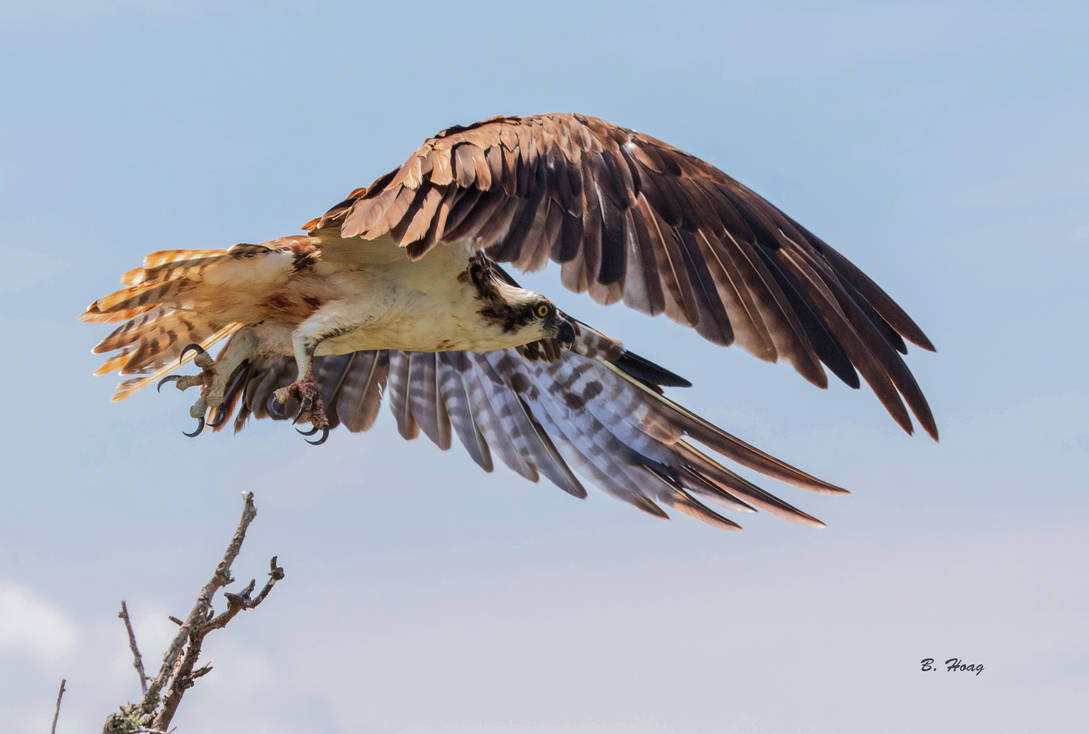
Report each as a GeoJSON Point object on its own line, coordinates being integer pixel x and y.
{"type": "Point", "coordinates": [157, 325]}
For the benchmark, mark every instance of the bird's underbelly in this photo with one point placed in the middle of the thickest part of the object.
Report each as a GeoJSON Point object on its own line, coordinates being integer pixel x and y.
{"type": "Point", "coordinates": [364, 310]}
{"type": "Point", "coordinates": [410, 332]}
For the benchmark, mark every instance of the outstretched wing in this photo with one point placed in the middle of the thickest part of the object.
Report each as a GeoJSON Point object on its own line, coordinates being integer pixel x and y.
{"type": "Point", "coordinates": [601, 416]}
{"type": "Point", "coordinates": [632, 218]}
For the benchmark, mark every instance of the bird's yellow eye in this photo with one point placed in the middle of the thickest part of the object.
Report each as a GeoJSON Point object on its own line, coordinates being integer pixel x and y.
{"type": "Point", "coordinates": [543, 309]}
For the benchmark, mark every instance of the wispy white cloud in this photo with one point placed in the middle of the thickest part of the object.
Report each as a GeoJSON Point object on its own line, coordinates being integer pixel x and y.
{"type": "Point", "coordinates": [32, 626]}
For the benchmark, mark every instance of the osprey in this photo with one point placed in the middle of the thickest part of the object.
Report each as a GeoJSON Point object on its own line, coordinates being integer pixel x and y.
{"type": "Point", "coordinates": [397, 291]}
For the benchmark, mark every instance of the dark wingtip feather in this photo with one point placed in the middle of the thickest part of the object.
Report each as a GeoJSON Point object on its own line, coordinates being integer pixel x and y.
{"type": "Point", "coordinates": [923, 342]}
{"type": "Point", "coordinates": [643, 369]}
{"type": "Point", "coordinates": [932, 429]}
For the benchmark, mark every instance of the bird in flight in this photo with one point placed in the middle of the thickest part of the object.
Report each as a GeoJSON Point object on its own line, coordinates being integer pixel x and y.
{"type": "Point", "coordinates": [398, 291]}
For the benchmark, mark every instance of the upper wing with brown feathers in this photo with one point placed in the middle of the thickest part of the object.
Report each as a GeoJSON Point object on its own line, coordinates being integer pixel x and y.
{"type": "Point", "coordinates": [632, 218]}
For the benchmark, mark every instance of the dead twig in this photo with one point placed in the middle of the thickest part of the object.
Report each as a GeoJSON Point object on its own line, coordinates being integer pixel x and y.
{"type": "Point", "coordinates": [179, 671]}
{"type": "Point", "coordinates": [184, 675]}
{"type": "Point", "coordinates": [57, 710]}
{"type": "Point", "coordinates": [137, 662]}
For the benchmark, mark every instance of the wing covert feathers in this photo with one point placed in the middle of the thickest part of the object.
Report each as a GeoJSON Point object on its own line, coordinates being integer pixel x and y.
{"type": "Point", "coordinates": [629, 217]}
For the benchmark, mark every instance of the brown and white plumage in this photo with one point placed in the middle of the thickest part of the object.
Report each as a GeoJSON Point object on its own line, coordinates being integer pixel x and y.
{"type": "Point", "coordinates": [381, 295]}
{"type": "Point", "coordinates": [632, 218]}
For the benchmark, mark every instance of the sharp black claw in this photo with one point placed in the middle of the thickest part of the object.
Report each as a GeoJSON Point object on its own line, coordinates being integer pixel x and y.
{"type": "Point", "coordinates": [197, 347]}
{"type": "Point", "coordinates": [200, 427]}
{"type": "Point", "coordinates": [320, 441]}
{"type": "Point", "coordinates": [302, 411]}
{"type": "Point", "coordinates": [304, 408]}
{"type": "Point", "coordinates": [168, 378]}
{"type": "Point", "coordinates": [311, 432]}
{"type": "Point", "coordinates": [220, 417]}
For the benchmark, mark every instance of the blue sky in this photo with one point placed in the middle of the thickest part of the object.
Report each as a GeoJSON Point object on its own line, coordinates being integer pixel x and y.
{"type": "Point", "coordinates": [941, 146]}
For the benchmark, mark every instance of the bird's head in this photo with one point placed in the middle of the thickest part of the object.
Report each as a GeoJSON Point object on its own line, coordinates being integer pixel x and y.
{"type": "Point", "coordinates": [525, 316]}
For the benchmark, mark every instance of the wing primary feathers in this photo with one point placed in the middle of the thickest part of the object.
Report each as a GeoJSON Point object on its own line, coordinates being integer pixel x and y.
{"type": "Point", "coordinates": [683, 502]}
{"type": "Point", "coordinates": [736, 485]}
{"type": "Point", "coordinates": [790, 337]}
{"type": "Point", "coordinates": [876, 360]}
{"type": "Point", "coordinates": [877, 298]}
{"type": "Point", "coordinates": [742, 293]}
{"type": "Point", "coordinates": [737, 450]}
{"type": "Point", "coordinates": [649, 373]}
{"type": "Point", "coordinates": [824, 344]}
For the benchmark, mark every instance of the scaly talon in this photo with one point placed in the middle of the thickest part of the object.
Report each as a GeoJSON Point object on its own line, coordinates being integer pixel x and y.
{"type": "Point", "coordinates": [206, 380]}
{"type": "Point", "coordinates": [311, 408]}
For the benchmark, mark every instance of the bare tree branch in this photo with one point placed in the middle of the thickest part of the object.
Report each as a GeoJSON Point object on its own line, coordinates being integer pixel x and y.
{"type": "Point", "coordinates": [184, 675]}
{"type": "Point", "coordinates": [137, 662]}
{"type": "Point", "coordinates": [57, 710]}
{"type": "Point", "coordinates": [178, 672]}
{"type": "Point", "coordinates": [197, 614]}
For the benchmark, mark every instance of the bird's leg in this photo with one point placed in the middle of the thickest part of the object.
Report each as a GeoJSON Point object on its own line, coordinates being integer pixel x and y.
{"type": "Point", "coordinates": [213, 377]}
{"type": "Point", "coordinates": [305, 390]}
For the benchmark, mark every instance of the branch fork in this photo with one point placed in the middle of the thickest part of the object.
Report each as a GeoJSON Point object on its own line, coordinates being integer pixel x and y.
{"type": "Point", "coordinates": [155, 711]}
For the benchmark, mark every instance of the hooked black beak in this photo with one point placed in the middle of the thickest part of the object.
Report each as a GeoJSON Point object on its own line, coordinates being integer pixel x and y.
{"type": "Point", "coordinates": [564, 331]}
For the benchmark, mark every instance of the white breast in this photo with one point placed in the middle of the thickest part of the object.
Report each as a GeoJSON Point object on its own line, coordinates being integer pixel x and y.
{"type": "Point", "coordinates": [415, 306]}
